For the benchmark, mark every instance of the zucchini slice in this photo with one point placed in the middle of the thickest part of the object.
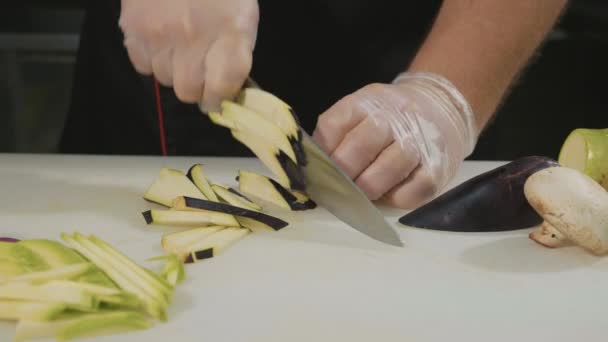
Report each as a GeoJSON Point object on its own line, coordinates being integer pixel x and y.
{"type": "Point", "coordinates": [194, 205]}
{"type": "Point", "coordinates": [197, 176]}
{"type": "Point", "coordinates": [16, 310]}
{"type": "Point", "coordinates": [266, 188]}
{"type": "Point", "coordinates": [198, 218]}
{"type": "Point", "coordinates": [234, 198]}
{"type": "Point", "coordinates": [275, 110]}
{"type": "Point", "coordinates": [170, 184]}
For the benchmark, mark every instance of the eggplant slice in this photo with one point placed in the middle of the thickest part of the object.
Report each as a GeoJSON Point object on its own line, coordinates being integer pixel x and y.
{"type": "Point", "coordinates": [276, 110]}
{"type": "Point", "coordinates": [492, 201]}
{"type": "Point", "coordinates": [199, 218]}
{"type": "Point", "coordinates": [212, 245]}
{"type": "Point", "coordinates": [189, 204]}
{"type": "Point", "coordinates": [266, 188]}
{"type": "Point", "coordinates": [234, 198]}
{"type": "Point", "coordinates": [171, 183]}
{"type": "Point", "coordinates": [196, 174]}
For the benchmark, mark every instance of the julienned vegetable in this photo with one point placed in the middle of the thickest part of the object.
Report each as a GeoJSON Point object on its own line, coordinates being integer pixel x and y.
{"type": "Point", "coordinates": [85, 289]}
{"type": "Point", "coordinates": [572, 203]}
{"type": "Point", "coordinates": [491, 201]}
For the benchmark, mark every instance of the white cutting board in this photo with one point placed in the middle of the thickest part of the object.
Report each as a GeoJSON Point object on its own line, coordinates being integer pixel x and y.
{"type": "Point", "coordinates": [317, 280]}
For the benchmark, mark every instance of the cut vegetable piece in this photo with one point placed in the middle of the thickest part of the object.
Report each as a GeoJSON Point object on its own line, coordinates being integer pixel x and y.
{"type": "Point", "coordinates": [65, 272]}
{"type": "Point", "coordinates": [491, 201]}
{"type": "Point", "coordinates": [93, 289]}
{"type": "Point", "coordinates": [269, 190]}
{"type": "Point", "coordinates": [133, 272]}
{"type": "Point", "coordinates": [251, 121]}
{"type": "Point", "coordinates": [195, 204]}
{"type": "Point", "coordinates": [150, 301]}
{"type": "Point", "coordinates": [197, 176]}
{"type": "Point", "coordinates": [52, 252]}
{"type": "Point", "coordinates": [275, 110]}
{"type": "Point", "coordinates": [121, 301]}
{"type": "Point", "coordinates": [58, 255]}
{"type": "Point", "coordinates": [15, 310]}
{"type": "Point", "coordinates": [138, 270]}
{"type": "Point", "coordinates": [236, 200]}
{"type": "Point", "coordinates": [586, 150]}
{"type": "Point", "coordinates": [170, 184]}
{"type": "Point", "coordinates": [219, 119]}
{"type": "Point", "coordinates": [105, 295]}
{"type": "Point", "coordinates": [173, 271]}
{"type": "Point", "coordinates": [10, 269]}
{"type": "Point", "coordinates": [22, 256]}
{"type": "Point", "coordinates": [232, 190]}
{"type": "Point", "coordinates": [287, 172]}
{"type": "Point", "coordinates": [213, 245]}
{"type": "Point", "coordinates": [73, 298]}
{"type": "Point", "coordinates": [258, 226]}
{"type": "Point", "coordinates": [87, 325]}
{"type": "Point", "coordinates": [7, 239]}
{"type": "Point", "coordinates": [271, 108]}
{"type": "Point", "coordinates": [172, 242]}
{"type": "Point", "coordinates": [573, 203]}
{"type": "Point", "coordinates": [305, 201]}
{"type": "Point", "coordinates": [189, 218]}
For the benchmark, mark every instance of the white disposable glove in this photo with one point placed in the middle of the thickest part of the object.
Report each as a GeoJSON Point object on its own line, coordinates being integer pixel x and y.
{"type": "Point", "coordinates": [402, 141]}
{"type": "Point", "coordinates": [202, 48]}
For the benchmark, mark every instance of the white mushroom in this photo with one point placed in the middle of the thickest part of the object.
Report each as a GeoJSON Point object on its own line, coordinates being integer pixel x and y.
{"type": "Point", "coordinates": [546, 235]}
{"type": "Point", "coordinates": [573, 204]}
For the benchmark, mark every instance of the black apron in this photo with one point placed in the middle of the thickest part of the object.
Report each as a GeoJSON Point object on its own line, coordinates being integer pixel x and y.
{"type": "Point", "coordinates": [309, 53]}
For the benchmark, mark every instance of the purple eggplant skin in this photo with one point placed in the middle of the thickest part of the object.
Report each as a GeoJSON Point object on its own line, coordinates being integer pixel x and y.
{"type": "Point", "coordinates": [492, 201]}
{"type": "Point", "coordinates": [7, 239]}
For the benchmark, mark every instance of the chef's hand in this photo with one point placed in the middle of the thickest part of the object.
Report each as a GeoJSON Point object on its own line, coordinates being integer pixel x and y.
{"type": "Point", "coordinates": [202, 48]}
{"type": "Point", "coordinates": [402, 141]}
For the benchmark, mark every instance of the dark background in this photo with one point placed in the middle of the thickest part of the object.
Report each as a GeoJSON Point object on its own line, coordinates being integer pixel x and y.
{"type": "Point", "coordinates": [562, 89]}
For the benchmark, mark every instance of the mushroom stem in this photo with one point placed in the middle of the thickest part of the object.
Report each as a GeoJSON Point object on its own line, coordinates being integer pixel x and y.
{"type": "Point", "coordinates": [573, 204]}
{"type": "Point", "coordinates": [547, 236]}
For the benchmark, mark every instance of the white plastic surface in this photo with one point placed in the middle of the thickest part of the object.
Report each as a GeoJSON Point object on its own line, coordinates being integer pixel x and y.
{"type": "Point", "coordinates": [317, 280]}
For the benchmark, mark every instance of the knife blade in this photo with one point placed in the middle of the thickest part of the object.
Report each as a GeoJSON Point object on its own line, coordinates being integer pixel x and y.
{"type": "Point", "coordinates": [331, 188]}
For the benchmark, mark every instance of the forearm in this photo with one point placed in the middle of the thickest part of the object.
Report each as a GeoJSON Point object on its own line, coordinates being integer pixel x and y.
{"type": "Point", "coordinates": [481, 46]}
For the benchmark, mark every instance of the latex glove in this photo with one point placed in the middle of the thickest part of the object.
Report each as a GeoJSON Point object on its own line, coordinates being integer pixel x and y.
{"type": "Point", "coordinates": [402, 141]}
{"type": "Point", "coordinates": [202, 48]}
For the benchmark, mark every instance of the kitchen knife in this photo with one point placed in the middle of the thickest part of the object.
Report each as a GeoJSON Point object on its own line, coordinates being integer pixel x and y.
{"type": "Point", "coordinates": [331, 188]}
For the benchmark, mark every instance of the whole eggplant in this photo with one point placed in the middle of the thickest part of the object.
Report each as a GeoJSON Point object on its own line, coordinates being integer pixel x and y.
{"type": "Point", "coordinates": [491, 201]}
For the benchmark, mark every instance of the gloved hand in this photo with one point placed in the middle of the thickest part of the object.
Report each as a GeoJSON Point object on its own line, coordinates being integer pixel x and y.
{"type": "Point", "coordinates": [202, 48]}
{"type": "Point", "coordinates": [402, 141]}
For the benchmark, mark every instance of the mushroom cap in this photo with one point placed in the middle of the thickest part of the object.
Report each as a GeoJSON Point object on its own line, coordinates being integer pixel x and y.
{"type": "Point", "coordinates": [573, 203]}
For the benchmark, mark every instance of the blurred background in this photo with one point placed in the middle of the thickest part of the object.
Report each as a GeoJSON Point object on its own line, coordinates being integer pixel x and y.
{"type": "Point", "coordinates": [563, 88]}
